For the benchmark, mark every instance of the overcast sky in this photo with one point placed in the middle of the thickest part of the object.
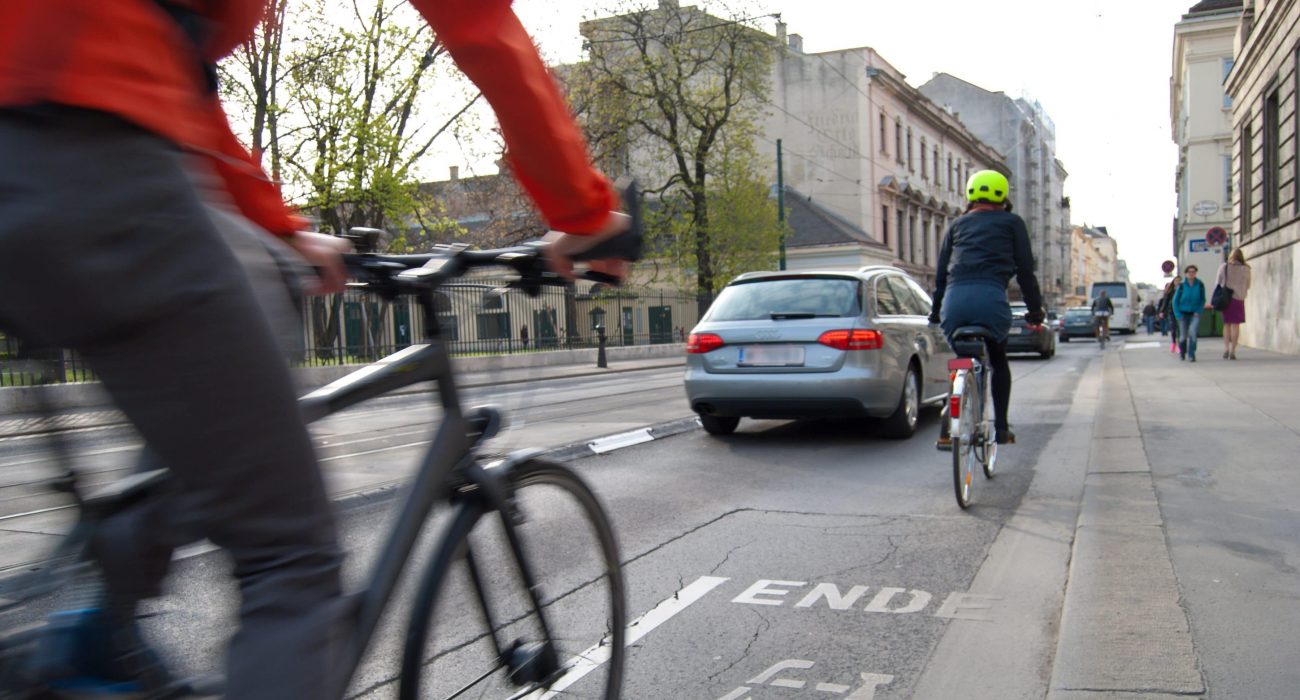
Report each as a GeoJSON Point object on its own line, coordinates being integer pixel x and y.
{"type": "Point", "coordinates": [1100, 68]}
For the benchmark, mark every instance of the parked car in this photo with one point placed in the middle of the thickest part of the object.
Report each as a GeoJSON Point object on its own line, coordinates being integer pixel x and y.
{"type": "Point", "coordinates": [817, 344]}
{"type": "Point", "coordinates": [1026, 338]}
{"type": "Point", "coordinates": [1078, 323]}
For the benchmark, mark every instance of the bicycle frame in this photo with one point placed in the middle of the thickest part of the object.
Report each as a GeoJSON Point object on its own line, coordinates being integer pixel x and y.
{"type": "Point", "coordinates": [451, 452]}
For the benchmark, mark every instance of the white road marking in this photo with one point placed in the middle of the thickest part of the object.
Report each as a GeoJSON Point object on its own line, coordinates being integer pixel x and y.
{"type": "Point", "coordinates": [592, 658]}
{"type": "Point", "coordinates": [614, 442]}
{"type": "Point", "coordinates": [1142, 345]}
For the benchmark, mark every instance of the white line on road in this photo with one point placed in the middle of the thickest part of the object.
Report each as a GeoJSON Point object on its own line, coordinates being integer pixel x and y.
{"type": "Point", "coordinates": [613, 442]}
{"type": "Point", "coordinates": [589, 660]}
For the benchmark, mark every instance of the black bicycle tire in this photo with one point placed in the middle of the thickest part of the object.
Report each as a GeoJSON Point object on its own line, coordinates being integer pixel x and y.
{"type": "Point", "coordinates": [454, 542]}
{"type": "Point", "coordinates": [960, 459]}
{"type": "Point", "coordinates": [988, 455]}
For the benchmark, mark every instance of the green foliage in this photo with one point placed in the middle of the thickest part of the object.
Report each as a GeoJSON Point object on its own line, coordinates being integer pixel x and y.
{"type": "Point", "coordinates": [673, 95]}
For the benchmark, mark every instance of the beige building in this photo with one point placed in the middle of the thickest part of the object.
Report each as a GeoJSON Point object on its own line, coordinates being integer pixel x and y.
{"type": "Point", "coordinates": [1021, 130]}
{"type": "Point", "coordinates": [1201, 116]}
{"type": "Point", "coordinates": [1094, 257]}
{"type": "Point", "coordinates": [862, 143]}
{"type": "Point", "coordinates": [1266, 205]}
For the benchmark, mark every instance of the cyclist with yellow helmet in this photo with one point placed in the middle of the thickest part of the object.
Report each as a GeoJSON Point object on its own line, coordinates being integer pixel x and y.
{"type": "Point", "coordinates": [981, 252]}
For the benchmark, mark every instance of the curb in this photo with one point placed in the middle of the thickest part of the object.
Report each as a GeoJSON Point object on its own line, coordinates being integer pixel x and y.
{"type": "Point", "coordinates": [571, 452]}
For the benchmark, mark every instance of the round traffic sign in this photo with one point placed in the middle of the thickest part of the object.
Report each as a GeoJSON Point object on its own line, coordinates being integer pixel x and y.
{"type": "Point", "coordinates": [1167, 266]}
{"type": "Point", "coordinates": [1216, 236]}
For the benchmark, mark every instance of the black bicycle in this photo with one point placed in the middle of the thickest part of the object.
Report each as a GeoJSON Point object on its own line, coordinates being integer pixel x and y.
{"type": "Point", "coordinates": [553, 619]}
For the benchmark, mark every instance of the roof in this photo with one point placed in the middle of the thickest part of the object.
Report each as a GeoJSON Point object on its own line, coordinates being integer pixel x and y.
{"type": "Point", "coordinates": [1213, 6]}
{"type": "Point", "coordinates": [812, 224]}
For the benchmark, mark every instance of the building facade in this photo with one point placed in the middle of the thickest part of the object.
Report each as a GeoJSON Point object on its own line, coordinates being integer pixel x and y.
{"type": "Point", "coordinates": [864, 144]}
{"type": "Point", "coordinates": [1201, 120]}
{"type": "Point", "coordinates": [1094, 257]}
{"type": "Point", "coordinates": [1022, 131]}
{"type": "Point", "coordinates": [1266, 203]}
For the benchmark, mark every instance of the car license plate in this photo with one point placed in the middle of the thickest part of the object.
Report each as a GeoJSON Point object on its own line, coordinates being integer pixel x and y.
{"type": "Point", "coordinates": [1020, 331]}
{"type": "Point", "coordinates": [770, 356]}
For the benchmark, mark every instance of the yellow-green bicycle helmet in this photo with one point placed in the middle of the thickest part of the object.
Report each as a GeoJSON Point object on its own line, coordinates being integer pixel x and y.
{"type": "Point", "coordinates": [987, 186]}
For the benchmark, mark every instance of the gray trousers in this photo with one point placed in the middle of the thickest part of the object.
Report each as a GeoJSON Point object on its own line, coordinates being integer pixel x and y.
{"type": "Point", "coordinates": [111, 245]}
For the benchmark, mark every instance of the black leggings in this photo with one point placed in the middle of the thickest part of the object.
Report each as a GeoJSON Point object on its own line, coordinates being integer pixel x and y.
{"type": "Point", "coordinates": [1001, 383]}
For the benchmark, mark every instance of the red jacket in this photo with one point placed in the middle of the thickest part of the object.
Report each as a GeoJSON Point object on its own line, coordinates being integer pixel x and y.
{"type": "Point", "coordinates": [129, 58]}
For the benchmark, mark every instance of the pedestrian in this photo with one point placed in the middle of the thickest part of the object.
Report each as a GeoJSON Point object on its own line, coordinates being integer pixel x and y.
{"type": "Point", "coordinates": [1189, 302]}
{"type": "Point", "coordinates": [1235, 275]}
{"type": "Point", "coordinates": [523, 335]}
{"type": "Point", "coordinates": [1149, 317]}
{"type": "Point", "coordinates": [1168, 325]}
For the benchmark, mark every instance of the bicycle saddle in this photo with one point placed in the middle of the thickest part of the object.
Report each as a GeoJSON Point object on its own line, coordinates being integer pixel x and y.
{"type": "Point", "coordinates": [968, 341]}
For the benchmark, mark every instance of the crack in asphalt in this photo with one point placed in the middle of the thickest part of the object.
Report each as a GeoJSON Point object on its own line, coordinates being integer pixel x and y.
{"type": "Point", "coordinates": [727, 557]}
{"type": "Point", "coordinates": [764, 625]}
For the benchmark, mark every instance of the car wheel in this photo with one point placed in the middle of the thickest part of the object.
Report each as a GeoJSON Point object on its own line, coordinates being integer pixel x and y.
{"type": "Point", "coordinates": [719, 425]}
{"type": "Point", "coordinates": [902, 422]}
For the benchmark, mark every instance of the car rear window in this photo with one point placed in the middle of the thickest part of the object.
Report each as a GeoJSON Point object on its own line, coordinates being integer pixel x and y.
{"type": "Point", "coordinates": [761, 299]}
{"type": "Point", "coordinates": [1078, 313]}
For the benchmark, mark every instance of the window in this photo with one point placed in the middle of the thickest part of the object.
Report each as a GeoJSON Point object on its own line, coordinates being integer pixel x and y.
{"type": "Point", "coordinates": [1226, 64]}
{"type": "Point", "coordinates": [937, 180]}
{"type": "Point", "coordinates": [950, 177]}
{"type": "Point", "coordinates": [1271, 160]}
{"type": "Point", "coordinates": [911, 168]}
{"type": "Point", "coordinates": [898, 140]}
{"type": "Point", "coordinates": [921, 296]}
{"type": "Point", "coordinates": [908, 303]}
{"type": "Point", "coordinates": [1227, 181]}
{"type": "Point", "coordinates": [911, 237]}
{"type": "Point", "coordinates": [925, 240]}
{"type": "Point", "coordinates": [925, 173]}
{"type": "Point", "coordinates": [886, 302]}
{"type": "Point", "coordinates": [884, 146]}
{"type": "Point", "coordinates": [899, 229]}
{"type": "Point", "coordinates": [884, 225]}
{"type": "Point", "coordinates": [760, 299]}
{"type": "Point", "coordinates": [1247, 164]}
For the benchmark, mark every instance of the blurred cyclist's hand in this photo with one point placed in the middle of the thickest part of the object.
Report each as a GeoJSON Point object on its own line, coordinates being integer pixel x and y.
{"type": "Point", "coordinates": [563, 246]}
{"type": "Point", "coordinates": [1034, 318]}
{"type": "Point", "coordinates": [324, 253]}
{"type": "Point", "coordinates": [934, 319]}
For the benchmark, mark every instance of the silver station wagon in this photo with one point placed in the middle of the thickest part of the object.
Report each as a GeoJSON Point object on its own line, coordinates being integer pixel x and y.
{"type": "Point", "coordinates": [817, 344]}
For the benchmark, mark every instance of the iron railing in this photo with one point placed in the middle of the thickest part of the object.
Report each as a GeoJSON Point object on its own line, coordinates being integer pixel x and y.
{"type": "Point", "coordinates": [479, 316]}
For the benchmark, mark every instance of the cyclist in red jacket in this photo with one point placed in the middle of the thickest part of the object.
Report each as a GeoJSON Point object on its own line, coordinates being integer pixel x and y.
{"type": "Point", "coordinates": [135, 230]}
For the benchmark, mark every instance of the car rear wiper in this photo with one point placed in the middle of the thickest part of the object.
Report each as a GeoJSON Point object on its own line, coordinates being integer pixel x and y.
{"type": "Point", "coordinates": [787, 315]}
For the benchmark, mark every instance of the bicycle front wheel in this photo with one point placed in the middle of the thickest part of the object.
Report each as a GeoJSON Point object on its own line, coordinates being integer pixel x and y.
{"type": "Point", "coordinates": [566, 636]}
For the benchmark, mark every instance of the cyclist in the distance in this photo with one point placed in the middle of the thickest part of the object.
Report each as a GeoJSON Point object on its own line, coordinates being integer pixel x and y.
{"type": "Point", "coordinates": [1102, 309]}
{"type": "Point", "coordinates": [982, 250]}
{"type": "Point", "coordinates": [136, 230]}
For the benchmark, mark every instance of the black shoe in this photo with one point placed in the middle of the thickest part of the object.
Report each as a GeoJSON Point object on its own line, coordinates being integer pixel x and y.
{"type": "Point", "coordinates": [1004, 436]}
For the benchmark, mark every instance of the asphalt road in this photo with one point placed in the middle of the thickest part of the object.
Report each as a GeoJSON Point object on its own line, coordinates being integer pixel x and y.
{"type": "Point", "coordinates": [820, 553]}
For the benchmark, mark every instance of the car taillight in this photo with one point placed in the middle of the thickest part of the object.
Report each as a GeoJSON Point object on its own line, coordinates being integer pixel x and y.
{"type": "Point", "coordinates": [859, 339]}
{"type": "Point", "coordinates": [703, 342]}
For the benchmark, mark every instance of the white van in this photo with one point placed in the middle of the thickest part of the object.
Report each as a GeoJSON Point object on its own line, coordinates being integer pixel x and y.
{"type": "Point", "coordinates": [1124, 296]}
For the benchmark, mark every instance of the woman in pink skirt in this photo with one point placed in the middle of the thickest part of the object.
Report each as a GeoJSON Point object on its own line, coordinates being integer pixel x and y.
{"type": "Point", "coordinates": [1235, 275]}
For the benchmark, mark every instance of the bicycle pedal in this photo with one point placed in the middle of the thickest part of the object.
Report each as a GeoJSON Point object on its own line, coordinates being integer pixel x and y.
{"type": "Point", "coordinates": [531, 662]}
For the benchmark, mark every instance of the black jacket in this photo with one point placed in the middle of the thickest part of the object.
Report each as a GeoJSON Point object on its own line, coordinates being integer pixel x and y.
{"type": "Point", "coordinates": [991, 246]}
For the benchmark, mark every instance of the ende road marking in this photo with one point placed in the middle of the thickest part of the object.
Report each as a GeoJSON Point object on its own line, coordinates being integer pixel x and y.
{"type": "Point", "coordinates": [957, 606]}
{"type": "Point", "coordinates": [589, 660]}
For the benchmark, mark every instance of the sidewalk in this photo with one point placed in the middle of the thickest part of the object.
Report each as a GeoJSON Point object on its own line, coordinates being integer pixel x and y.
{"type": "Point", "coordinates": [1183, 574]}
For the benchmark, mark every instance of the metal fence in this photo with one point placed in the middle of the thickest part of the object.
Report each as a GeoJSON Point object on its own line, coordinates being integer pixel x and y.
{"type": "Point", "coordinates": [479, 316]}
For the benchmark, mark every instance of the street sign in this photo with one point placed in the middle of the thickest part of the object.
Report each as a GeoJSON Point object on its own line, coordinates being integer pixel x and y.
{"type": "Point", "coordinates": [1167, 267]}
{"type": "Point", "coordinates": [1198, 245]}
{"type": "Point", "coordinates": [1216, 236]}
{"type": "Point", "coordinates": [1205, 207]}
